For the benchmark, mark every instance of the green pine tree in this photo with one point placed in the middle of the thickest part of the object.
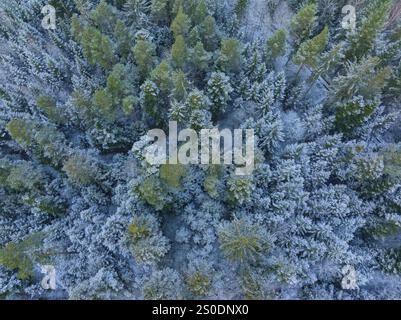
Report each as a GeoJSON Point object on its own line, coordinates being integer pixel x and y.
{"type": "Point", "coordinates": [80, 170]}
{"type": "Point", "coordinates": [180, 85]}
{"type": "Point", "coordinates": [242, 241]}
{"type": "Point", "coordinates": [230, 55]}
{"type": "Point", "coordinates": [97, 47]}
{"type": "Point", "coordinates": [219, 90]}
{"type": "Point", "coordinates": [115, 83]}
{"type": "Point", "coordinates": [200, 12]}
{"type": "Point", "coordinates": [144, 53]}
{"type": "Point", "coordinates": [309, 51]}
{"type": "Point", "coordinates": [21, 130]}
{"type": "Point", "coordinates": [123, 39]}
{"type": "Point", "coordinates": [304, 21]}
{"type": "Point", "coordinates": [362, 42]}
{"type": "Point", "coordinates": [179, 52]}
{"type": "Point", "coordinates": [49, 107]}
{"type": "Point", "coordinates": [352, 115]}
{"type": "Point", "coordinates": [103, 17]}
{"type": "Point", "coordinates": [209, 35]}
{"type": "Point", "coordinates": [240, 7]}
{"type": "Point", "coordinates": [181, 24]}
{"type": "Point", "coordinates": [103, 101]}
{"type": "Point", "coordinates": [276, 45]}
{"type": "Point", "coordinates": [365, 78]}
{"type": "Point", "coordinates": [328, 62]}
{"type": "Point", "coordinates": [199, 60]}
{"type": "Point", "coordinates": [159, 11]}
{"type": "Point", "coordinates": [161, 76]}
{"type": "Point", "coordinates": [129, 104]}
{"type": "Point", "coordinates": [194, 37]}
{"type": "Point", "coordinates": [149, 100]}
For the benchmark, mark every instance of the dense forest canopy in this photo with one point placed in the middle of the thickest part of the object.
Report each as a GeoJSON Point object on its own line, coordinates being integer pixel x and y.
{"type": "Point", "coordinates": [323, 202]}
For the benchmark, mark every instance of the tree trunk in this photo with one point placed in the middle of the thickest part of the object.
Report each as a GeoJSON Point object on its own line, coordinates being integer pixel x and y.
{"type": "Point", "coordinates": [299, 71]}
{"type": "Point", "coordinates": [310, 88]}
